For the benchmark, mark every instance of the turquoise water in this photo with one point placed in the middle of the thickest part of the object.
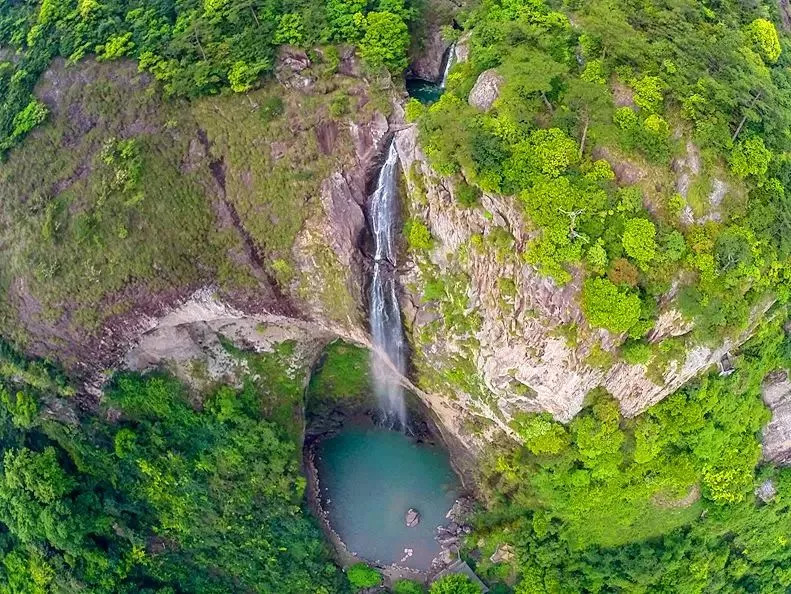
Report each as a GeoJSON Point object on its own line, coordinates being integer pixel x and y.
{"type": "Point", "coordinates": [424, 91]}
{"type": "Point", "coordinates": [370, 477]}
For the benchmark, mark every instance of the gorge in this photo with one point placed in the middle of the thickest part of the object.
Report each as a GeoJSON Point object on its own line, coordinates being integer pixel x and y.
{"type": "Point", "coordinates": [279, 273]}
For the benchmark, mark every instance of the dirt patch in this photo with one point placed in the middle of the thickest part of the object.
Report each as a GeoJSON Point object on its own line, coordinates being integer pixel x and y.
{"type": "Point", "coordinates": [622, 96]}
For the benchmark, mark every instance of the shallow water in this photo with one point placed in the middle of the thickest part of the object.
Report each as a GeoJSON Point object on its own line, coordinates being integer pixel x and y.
{"type": "Point", "coordinates": [370, 477]}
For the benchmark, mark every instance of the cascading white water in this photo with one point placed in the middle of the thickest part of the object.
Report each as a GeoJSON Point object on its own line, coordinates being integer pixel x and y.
{"type": "Point", "coordinates": [448, 64]}
{"type": "Point", "coordinates": [386, 330]}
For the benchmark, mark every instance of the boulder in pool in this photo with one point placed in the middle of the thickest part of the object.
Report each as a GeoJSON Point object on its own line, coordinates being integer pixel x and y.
{"type": "Point", "coordinates": [412, 517]}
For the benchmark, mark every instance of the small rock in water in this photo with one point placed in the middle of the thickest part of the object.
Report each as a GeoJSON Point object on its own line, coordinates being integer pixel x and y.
{"type": "Point", "coordinates": [412, 517]}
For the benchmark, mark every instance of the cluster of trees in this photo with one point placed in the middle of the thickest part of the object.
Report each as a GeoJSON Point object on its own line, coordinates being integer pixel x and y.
{"type": "Point", "coordinates": [627, 84]}
{"type": "Point", "coordinates": [664, 502]}
{"type": "Point", "coordinates": [155, 493]}
{"type": "Point", "coordinates": [195, 47]}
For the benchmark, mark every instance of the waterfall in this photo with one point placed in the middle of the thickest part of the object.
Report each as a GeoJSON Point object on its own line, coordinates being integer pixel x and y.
{"type": "Point", "coordinates": [448, 64]}
{"type": "Point", "coordinates": [386, 330]}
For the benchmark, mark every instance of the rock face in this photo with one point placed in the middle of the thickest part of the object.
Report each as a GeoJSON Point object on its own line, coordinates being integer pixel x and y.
{"type": "Point", "coordinates": [428, 62]}
{"type": "Point", "coordinates": [412, 517]}
{"type": "Point", "coordinates": [777, 433]}
{"type": "Point", "coordinates": [486, 89]}
{"type": "Point", "coordinates": [519, 342]}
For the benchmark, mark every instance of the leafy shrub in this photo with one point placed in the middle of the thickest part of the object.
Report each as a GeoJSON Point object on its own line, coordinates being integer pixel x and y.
{"type": "Point", "coordinates": [636, 352]}
{"type": "Point", "coordinates": [418, 235]}
{"type": "Point", "coordinates": [607, 306]}
{"type": "Point", "coordinates": [408, 587]}
{"type": "Point", "coordinates": [363, 576]}
{"type": "Point", "coordinates": [454, 584]}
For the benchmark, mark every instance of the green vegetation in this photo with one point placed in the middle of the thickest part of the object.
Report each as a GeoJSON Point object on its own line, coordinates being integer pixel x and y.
{"type": "Point", "coordinates": [622, 86]}
{"type": "Point", "coordinates": [362, 576]}
{"type": "Point", "coordinates": [159, 499]}
{"type": "Point", "coordinates": [454, 584]}
{"type": "Point", "coordinates": [407, 587]}
{"type": "Point", "coordinates": [608, 504]}
{"type": "Point", "coordinates": [342, 374]}
{"type": "Point", "coordinates": [194, 48]}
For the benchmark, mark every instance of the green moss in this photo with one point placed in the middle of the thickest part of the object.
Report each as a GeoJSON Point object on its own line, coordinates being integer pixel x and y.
{"type": "Point", "coordinates": [342, 374]}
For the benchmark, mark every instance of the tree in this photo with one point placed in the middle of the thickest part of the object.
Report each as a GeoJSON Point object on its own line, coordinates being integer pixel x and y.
{"type": "Point", "coordinates": [454, 584]}
{"type": "Point", "coordinates": [607, 306]}
{"type": "Point", "coordinates": [347, 19]}
{"type": "Point", "coordinates": [750, 158]}
{"type": "Point", "coordinates": [639, 240]}
{"type": "Point", "coordinates": [385, 42]}
{"type": "Point", "coordinates": [763, 35]}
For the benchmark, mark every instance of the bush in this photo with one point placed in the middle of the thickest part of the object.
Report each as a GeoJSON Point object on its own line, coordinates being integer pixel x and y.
{"type": "Point", "coordinates": [454, 584]}
{"type": "Point", "coordinates": [418, 236]}
{"type": "Point", "coordinates": [467, 195]}
{"type": "Point", "coordinates": [607, 306]}
{"type": "Point", "coordinates": [363, 576]}
{"type": "Point", "coordinates": [408, 587]}
{"type": "Point", "coordinates": [636, 353]}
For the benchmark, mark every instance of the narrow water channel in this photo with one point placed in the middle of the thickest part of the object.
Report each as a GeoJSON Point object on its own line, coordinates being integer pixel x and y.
{"type": "Point", "coordinates": [370, 477]}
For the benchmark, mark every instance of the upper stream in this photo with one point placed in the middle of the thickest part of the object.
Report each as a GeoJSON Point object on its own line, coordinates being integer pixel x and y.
{"type": "Point", "coordinates": [370, 477]}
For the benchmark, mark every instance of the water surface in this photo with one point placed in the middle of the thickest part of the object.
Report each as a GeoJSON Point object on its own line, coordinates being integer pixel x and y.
{"type": "Point", "coordinates": [370, 477]}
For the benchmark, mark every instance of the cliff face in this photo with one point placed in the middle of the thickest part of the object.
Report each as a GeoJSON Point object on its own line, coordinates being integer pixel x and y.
{"type": "Point", "coordinates": [490, 337]}
{"type": "Point", "coordinates": [494, 338]}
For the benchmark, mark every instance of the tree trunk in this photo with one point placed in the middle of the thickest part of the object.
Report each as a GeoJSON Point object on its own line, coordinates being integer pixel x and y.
{"type": "Point", "coordinates": [547, 103]}
{"type": "Point", "coordinates": [744, 119]}
{"type": "Point", "coordinates": [584, 136]}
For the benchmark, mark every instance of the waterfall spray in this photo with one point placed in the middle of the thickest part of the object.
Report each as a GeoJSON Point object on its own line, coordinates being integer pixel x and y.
{"type": "Point", "coordinates": [389, 353]}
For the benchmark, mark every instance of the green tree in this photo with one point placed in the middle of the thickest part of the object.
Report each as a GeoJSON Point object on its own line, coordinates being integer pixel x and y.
{"type": "Point", "coordinates": [639, 240]}
{"type": "Point", "coordinates": [750, 158]}
{"type": "Point", "coordinates": [385, 42]}
{"type": "Point", "coordinates": [607, 306]}
{"type": "Point", "coordinates": [454, 584]}
{"type": "Point", "coordinates": [763, 35]}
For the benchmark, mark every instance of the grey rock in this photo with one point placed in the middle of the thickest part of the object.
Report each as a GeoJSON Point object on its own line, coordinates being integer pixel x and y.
{"type": "Point", "coordinates": [776, 393]}
{"type": "Point", "coordinates": [412, 517]}
{"type": "Point", "coordinates": [486, 89]}
{"type": "Point", "coordinates": [766, 491]}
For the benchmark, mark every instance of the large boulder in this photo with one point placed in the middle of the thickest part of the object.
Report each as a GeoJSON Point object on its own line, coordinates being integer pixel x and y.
{"type": "Point", "coordinates": [412, 517]}
{"type": "Point", "coordinates": [777, 433]}
{"type": "Point", "coordinates": [486, 89]}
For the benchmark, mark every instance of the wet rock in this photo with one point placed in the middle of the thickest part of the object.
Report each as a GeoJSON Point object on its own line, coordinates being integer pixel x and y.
{"type": "Point", "coordinates": [427, 64]}
{"type": "Point", "coordinates": [486, 89]}
{"type": "Point", "coordinates": [412, 517]}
